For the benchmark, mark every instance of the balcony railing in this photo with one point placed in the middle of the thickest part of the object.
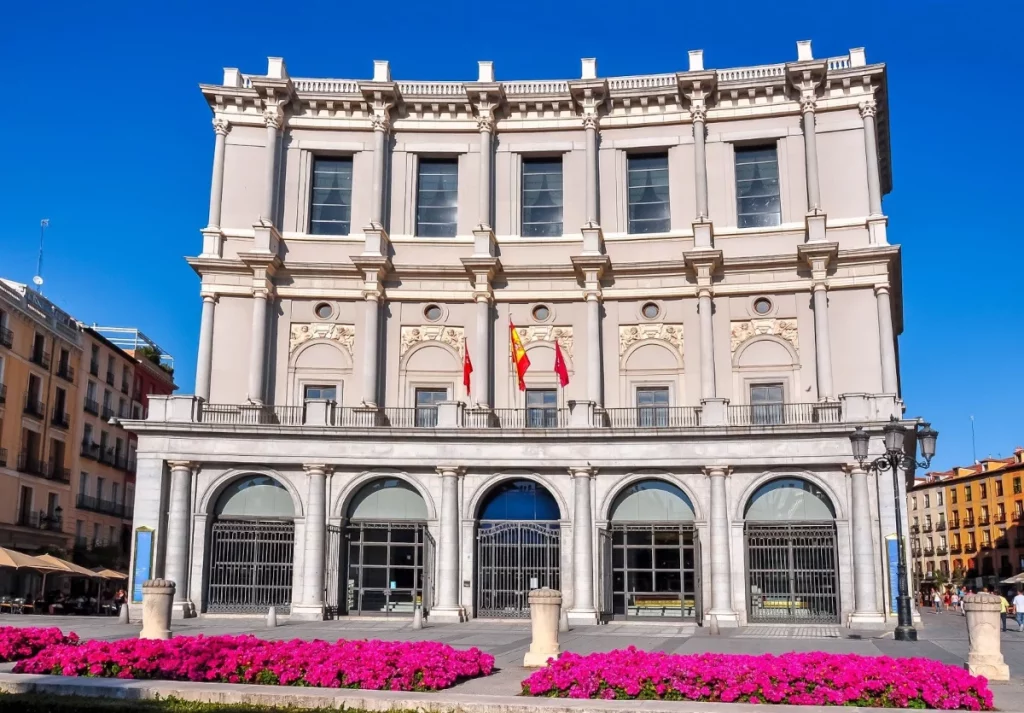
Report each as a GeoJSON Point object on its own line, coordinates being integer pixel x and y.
{"type": "Point", "coordinates": [94, 368]}
{"type": "Point", "coordinates": [914, 529]}
{"type": "Point", "coordinates": [3, 393]}
{"type": "Point", "coordinates": [41, 521]}
{"type": "Point", "coordinates": [986, 546]}
{"type": "Point", "coordinates": [3, 457]}
{"type": "Point", "coordinates": [110, 377]}
{"type": "Point", "coordinates": [107, 455]}
{"type": "Point", "coordinates": [970, 547]}
{"type": "Point", "coordinates": [107, 413]}
{"type": "Point", "coordinates": [1002, 543]}
{"type": "Point", "coordinates": [94, 504]}
{"type": "Point", "coordinates": [92, 407]}
{"type": "Point", "coordinates": [915, 551]}
{"type": "Point", "coordinates": [784, 414]}
{"type": "Point", "coordinates": [929, 551]}
{"type": "Point", "coordinates": [955, 549]}
{"type": "Point", "coordinates": [90, 450]}
{"type": "Point", "coordinates": [60, 419]}
{"type": "Point", "coordinates": [6, 337]}
{"type": "Point", "coordinates": [125, 388]}
{"type": "Point", "coordinates": [969, 522]}
{"type": "Point", "coordinates": [32, 465]}
{"type": "Point", "coordinates": [1018, 516]}
{"type": "Point", "coordinates": [40, 358]}
{"type": "Point", "coordinates": [34, 407]}
{"type": "Point", "coordinates": [231, 414]}
{"type": "Point", "coordinates": [999, 518]}
{"type": "Point", "coordinates": [940, 526]}
{"type": "Point", "coordinates": [927, 527]}
{"type": "Point", "coordinates": [983, 521]}
{"type": "Point", "coordinates": [954, 525]}
{"type": "Point", "coordinates": [66, 372]}
{"type": "Point", "coordinates": [652, 417]}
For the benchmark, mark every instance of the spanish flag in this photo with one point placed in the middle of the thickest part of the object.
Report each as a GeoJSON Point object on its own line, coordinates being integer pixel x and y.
{"type": "Point", "coordinates": [519, 357]}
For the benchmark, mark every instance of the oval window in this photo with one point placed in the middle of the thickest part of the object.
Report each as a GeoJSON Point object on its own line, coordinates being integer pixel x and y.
{"type": "Point", "coordinates": [541, 313]}
{"type": "Point", "coordinates": [762, 305]}
{"type": "Point", "coordinates": [433, 313]}
{"type": "Point", "coordinates": [323, 310]}
{"type": "Point", "coordinates": [651, 310]}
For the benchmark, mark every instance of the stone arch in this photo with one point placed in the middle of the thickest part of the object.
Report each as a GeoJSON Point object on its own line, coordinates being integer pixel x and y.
{"type": "Point", "coordinates": [769, 476]}
{"type": "Point", "coordinates": [750, 355]}
{"type": "Point", "coordinates": [430, 364]}
{"type": "Point", "coordinates": [209, 498]}
{"type": "Point", "coordinates": [341, 504]}
{"type": "Point", "coordinates": [318, 361]}
{"type": "Point", "coordinates": [472, 510]}
{"type": "Point", "coordinates": [314, 345]}
{"type": "Point", "coordinates": [605, 509]}
{"type": "Point", "coordinates": [636, 356]}
{"type": "Point", "coordinates": [409, 360]}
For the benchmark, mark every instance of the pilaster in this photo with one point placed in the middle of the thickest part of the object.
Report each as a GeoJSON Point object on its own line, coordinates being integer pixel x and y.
{"type": "Point", "coordinates": [583, 610]}
{"type": "Point", "coordinates": [718, 529]}
{"type": "Point", "coordinates": [448, 608]}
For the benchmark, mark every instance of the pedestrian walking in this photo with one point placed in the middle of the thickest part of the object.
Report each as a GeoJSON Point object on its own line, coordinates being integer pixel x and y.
{"type": "Point", "coordinates": [1018, 610]}
{"type": "Point", "coordinates": [1004, 607]}
{"type": "Point", "coordinates": [936, 601]}
{"type": "Point", "coordinates": [954, 600]}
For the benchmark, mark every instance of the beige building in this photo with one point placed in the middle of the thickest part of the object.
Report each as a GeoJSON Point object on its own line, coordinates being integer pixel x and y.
{"type": "Point", "coordinates": [929, 530]}
{"type": "Point", "coordinates": [706, 248]}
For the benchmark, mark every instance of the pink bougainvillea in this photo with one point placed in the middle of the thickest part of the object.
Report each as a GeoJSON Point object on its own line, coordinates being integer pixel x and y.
{"type": "Point", "coordinates": [815, 679]}
{"type": "Point", "coordinates": [373, 665]}
{"type": "Point", "coordinates": [21, 643]}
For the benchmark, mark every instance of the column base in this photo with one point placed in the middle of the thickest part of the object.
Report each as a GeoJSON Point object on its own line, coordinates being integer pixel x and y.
{"type": "Point", "coordinates": [726, 619]}
{"type": "Point", "coordinates": [866, 620]}
{"type": "Point", "coordinates": [877, 230]}
{"type": "Point", "coordinates": [447, 615]}
{"type": "Point", "coordinates": [182, 610]}
{"type": "Point", "coordinates": [307, 612]}
{"type": "Point", "coordinates": [582, 617]}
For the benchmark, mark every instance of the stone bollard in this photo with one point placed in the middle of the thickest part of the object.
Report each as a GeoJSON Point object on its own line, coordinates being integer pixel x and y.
{"type": "Point", "coordinates": [272, 618]}
{"type": "Point", "coordinates": [563, 622]}
{"type": "Point", "coordinates": [122, 617]}
{"type": "Point", "coordinates": [157, 598]}
{"type": "Point", "coordinates": [417, 616]}
{"type": "Point", "coordinates": [545, 605]}
{"type": "Point", "coordinates": [983, 624]}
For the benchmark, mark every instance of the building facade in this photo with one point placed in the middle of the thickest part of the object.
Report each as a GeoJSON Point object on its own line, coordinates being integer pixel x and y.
{"type": "Point", "coordinates": [929, 532]}
{"type": "Point", "coordinates": [705, 249]}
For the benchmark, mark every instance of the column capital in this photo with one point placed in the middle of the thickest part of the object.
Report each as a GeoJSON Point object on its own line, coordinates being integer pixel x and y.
{"type": "Point", "coordinates": [868, 108]}
{"type": "Point", "coordinates": [591, 121]}
{"type": "Point", "coordinates": [273, 116]}
{"type": "Point", "coordinates": [854, 469]}
{"type": "Point", "coordinates": [381, 121]}
{"type": "Point", "coordinates": [808, 104]}
{"type": "Point", "coordinates": [703, 263]}
{"type": "Point", "coordinates": [316, 468]}
{"type": "Point", "coordinates": [485, 124]}
{"type": "Point", "coordinates": [698, 113]}
{"type": "Point", "coordinates": [712, 471]}
{"type": "Point", "coordinates": [182, 465]}
{"type": "Point", "coordinates": [208, 296]}
{"type": "Point", "coordinates": [818, 256]}
{"type": "Point", "coordinates": [585, 471]}
{"type": "Point", "coordinates": [881, 288]}
{"type": "Point", "coordinates": [221, 127]}
{"type": "Point", "coordinates": [450, 471]}
{"type": "Point", "coordinates": [262, 292]}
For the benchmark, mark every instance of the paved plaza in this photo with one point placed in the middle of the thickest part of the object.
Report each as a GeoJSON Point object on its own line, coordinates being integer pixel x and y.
{"type": "Point", "coordinates": [943, 638]}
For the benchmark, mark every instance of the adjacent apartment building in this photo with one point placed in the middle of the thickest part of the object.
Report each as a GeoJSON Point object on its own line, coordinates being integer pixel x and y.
{"type": "Point", "coordinates": [67, 465]}
{"type": "Point", "coordinates": [929, 533]}
{"type": "Point", "coordinates": [694, 263]}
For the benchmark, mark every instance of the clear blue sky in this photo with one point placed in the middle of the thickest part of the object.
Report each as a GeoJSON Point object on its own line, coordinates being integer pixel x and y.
{"type": "Point", "coordinates": [108, 136]}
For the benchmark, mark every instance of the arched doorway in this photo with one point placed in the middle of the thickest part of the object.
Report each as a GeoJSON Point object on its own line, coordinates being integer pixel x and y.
{"type": "Point", "coordinates": [518, 548]}
{"type": "Point", "coordinates": [790, 543]}
{"type": "Point", "coordinates": [388, 554]}
{"type": "Point", "coordinates": [651, 554]}
{"type": "Point", "coordinates": [252, 547]}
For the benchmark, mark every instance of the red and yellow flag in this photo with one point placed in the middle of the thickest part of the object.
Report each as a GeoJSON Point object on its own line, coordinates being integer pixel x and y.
{"type": "Point", "coordinates": [519, 358]}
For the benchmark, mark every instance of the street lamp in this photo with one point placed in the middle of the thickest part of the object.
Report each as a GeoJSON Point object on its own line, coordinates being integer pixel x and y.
{"type": "Point", "coordinates": [897, 459]}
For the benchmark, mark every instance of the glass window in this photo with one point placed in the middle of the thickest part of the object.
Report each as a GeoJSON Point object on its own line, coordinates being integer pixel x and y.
{"type": "Point", "coordinates": [984, 490]}
{"type": "Point", "coordinates": [437, 198]}
{"type": "Point", "coordinates": [323, 310]}
{"type": "Point", "coordinates": [757, 186]}
{"type": "Point", "coordinates": [426, 406]}
{"type": "Point", "coordinates": [433, 313]}
{"type": "Point", "coordinates": [652, 407]}
{"type": "Point", "coordinates": [541, 313]}
{"type": "Point", "coordinates": [999, 488]}
{"type": "Point", "coordinates": [938, 498]}
{"type": "Point", "coordinates": [320, 392]}
{"type": "Point", "coordinates": [648, 193]}
{"type": "Point", "coordinates": [1016, 485]}
{"type": "Point", "coordinates": [967, 493]}
{"type": "Point", "coordinates": [542, 197]}
{"type": "Point", "coordinates": [766, 404]}
{"type": "Point", "coordinates": [541, 408]}
{"type": "Point", "coordinates": [952, 496]}
{"type": "Point", "coordinates": [330, 210]}
{"type": "Point", "coordinates": [651, 310]}
{"type": "Point", "coordinates": [927, 500]}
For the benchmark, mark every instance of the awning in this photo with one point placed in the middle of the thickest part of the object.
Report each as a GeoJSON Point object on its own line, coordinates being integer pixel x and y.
{"type": "Point", "coordinates": [68, 568]}
{"type": "Point", "coordinates": [12, 559]}
{"type": "Point", "coordinates": [110, 574]}
{"type": "Point", "coordinates": [1015, 579]}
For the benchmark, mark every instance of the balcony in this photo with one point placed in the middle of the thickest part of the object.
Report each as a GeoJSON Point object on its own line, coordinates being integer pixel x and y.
{"type": "Point", "coordinates": [940, 526]}
{"type": "Point", "coordinates": [929, 551]}
{"type": "Point", "coordinates": [969, 522]}
{"type": "Point", "coordinates": [3, 393]}
{"type": "Point", "coordinates": [927, 527]}
{"type": "Point", "coordinates": [40, 358]}
{"type": "Point", "coordinates": [32, 465]}
{"type": "Point", "coordinates": [652, 417]}
{"type": "Point", "coordinates": [970, 547]}
{"type": "Point", "coordinates": [983, 521]}
{"type": "Point", "coordinates": [999, 518]}
{"type": "Point", "coordinates": [41, 521]}
{"type": "Point", "coordinates": [6, 337]}
{"type": "Point", "coordinates": [107, 456]}
{"type": "Point", "coordinates": [125, 388]}
{"type": "Point", "coordinates": [92, 407]}
{"type": "Point", "coordinates": [108, 413]}
{"type": "Point", "coordinates": [784, 414]}
{"type": "Point", "coordinates": [915, 551]}
{"type": "Point", "coordinates": [915, 529]}
{"type": "Point", "coordinates": [1002, 543]}
{"type": "Point", "coordinates": [34, 407]}
{"type": "Point", "coordinates": [110, 378]}
{"type": "Point", "coordinates": [3, 457]}
{"type": "Point", "coordinates": [955, 549]}
{"type": "Point", "coordinates": [106, 507]}
{"type": "Point", "coordinates": [94, 368]}
{"type": "Point", "coordinates": [986, 546]}
{"type": "Point", "coordinates": [955, 525]}
{"type": "Point", "coordinates": [66, 372]}
{"type": "Point", "coordinates": [60, 419]}
{"type": "Point", "coordinates": [90, 450]}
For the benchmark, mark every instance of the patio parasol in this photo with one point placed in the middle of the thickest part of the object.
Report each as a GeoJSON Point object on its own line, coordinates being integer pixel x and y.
{"type": "Point", "coordinates": [12, 559]}
{"type": "Point", "coordinates": [110, 574]}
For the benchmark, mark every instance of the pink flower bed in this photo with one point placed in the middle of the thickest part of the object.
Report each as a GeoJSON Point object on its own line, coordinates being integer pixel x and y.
{"type": "Point", "coordinates": [373, 665]}
{"type": "Point", "coordinates": [17, 643]}
{"type": "Point", "coordinates": [815, 679]}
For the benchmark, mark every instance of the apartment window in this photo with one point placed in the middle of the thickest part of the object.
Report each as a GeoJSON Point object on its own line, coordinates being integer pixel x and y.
{"type": "Point", "coordinates": [986, 537]}
{"type": "Point", "coordinates": [927, 520]}
{"type": "Point", "coordinates": [916, 522]}
{"type": "Point", "coordinates": [541, 408]}
{"type": "Point", "coordinates": [90, 391]}
{"type": "Point", "coordinates": [329, 393]}
{"type": "Point", "coordinates": [95, 532]}
{"type": "Point", "coordinates": [1016, 486]}
{"type": "Point", "coordinates": [967, 493]}
{"type": "Point", "coordinates": [648, 193]}
{"type": "Point", "coordinates": [927, 501]}
{"type": "Point", "coordinates": [757, 187]}
{"type": "Point", "coordinates": [952, 497]}
{"type": "Point", "coordinates": [52, 503]}
{"type": "Point", "coordinates": [437, 198]}
{"type": "Point", "coordinates": [115, 491]}
{"type": "Point", "coordinates": [942, 520]}
{"type": "Point", "coordinates": [766, 402]}
{"type": "Point", "coordinates": [542, 197]}
{"type": "Point", "coordinates": [330, 210]}
{"type": "Point", "coordinates": [652, 407]}
{"type": "Point", "coordinates": [1018, 509]}
{"type": "Point", "coordinates": [999, 488]}
{"type": "Point", "coordinates": [1001, 511]}
{"type": "Point", "coordinates": [984, 490]}
{"type": "Point", "coordinates": [94, 361]}
{"type": "Point", "coordinates": [969, 516]}
{"type": "Point", "coordinates": [87, 434]}
{"type": "Point", "coordinates": [79, 529]}
{"type": "Point", "coordinates": [99, 488]}
{"type": "Point", "coordinates": [938, 498]}
{"type": "Point", "coordinates": [913, 503]}
{"type": "Point", "coordinates": [426, 406]}
{"type": "Point", "coordinates": [942, 540]}
{"type": "Point", "coordinates": [83, 483]}
{"type": "Point", "coordinates": [931, 567]}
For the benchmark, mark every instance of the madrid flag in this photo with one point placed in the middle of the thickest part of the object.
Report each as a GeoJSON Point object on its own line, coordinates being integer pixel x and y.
{"type": "Point", "coordinates": [560, 370]}
{"type": "Point", "coordinates": [467, 368]}
{"type": "Point", "coordinates": [519, 358]}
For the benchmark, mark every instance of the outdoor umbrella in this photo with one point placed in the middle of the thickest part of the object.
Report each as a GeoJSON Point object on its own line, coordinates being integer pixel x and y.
{"type": "Point", "coordinates": [110, 574]}
{"type": "Point", "coordinates": [1015, 579]}
{"type": "Point", "coordinates": [12, 559]}
{"type": "Point", "coordinates": [69, 569]}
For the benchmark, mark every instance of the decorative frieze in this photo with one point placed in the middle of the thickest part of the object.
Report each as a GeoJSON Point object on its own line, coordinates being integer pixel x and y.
{"type": "Point", "coordinates": [782, 328]}
{"type": "Point", "coordinates": [455, 337]}
{"type": "Point", "coordinates": [547, 333]}
{"type": "Point", "coordinates": [630, 334]}
{"type": "Point", "coordinates": [343, 334]}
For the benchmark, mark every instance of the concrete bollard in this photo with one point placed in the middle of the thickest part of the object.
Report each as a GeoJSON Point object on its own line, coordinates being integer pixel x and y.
{"type": "Point", "coordinates": [272, 618]}
{"type": "Point", "coordinates": [545, 606]}
{"type": "Point", "coordinates": [157, 598]}
{"type": "Point", "coordinates": [563, 622]}
{"type": "Point", "coordinates": [983, 624]}
{"type": "Point", "coordinates": [417, 617]}
{"type": "Point", "coordinates": [122, 617]}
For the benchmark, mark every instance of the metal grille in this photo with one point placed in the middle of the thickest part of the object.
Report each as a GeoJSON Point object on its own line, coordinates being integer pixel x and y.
{"type": "Point", "coordinates": [651, 570]}
{"type": "Point", "coordinates": [791, 573]}
{"type": "Point", "coordinates": [514, 557]}
{"type": "Point", "coordinates": [251, 566]}
{"type": "Point", "coordinates": [333, 551]}
{"type": "Point", "coordinates": [389, 567]}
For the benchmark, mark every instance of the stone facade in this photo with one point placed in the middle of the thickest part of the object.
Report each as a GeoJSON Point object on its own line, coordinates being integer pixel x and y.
{"type": "Point", "coordinates": [705, 356]}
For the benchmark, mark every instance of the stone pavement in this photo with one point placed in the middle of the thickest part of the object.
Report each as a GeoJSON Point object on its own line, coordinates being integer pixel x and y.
{"type": "Point", "coordinates": [943, 638]}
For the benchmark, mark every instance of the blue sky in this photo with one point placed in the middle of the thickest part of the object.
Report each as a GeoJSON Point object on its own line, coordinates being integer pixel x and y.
{"type": "Point", "coordinates": [108, 137]}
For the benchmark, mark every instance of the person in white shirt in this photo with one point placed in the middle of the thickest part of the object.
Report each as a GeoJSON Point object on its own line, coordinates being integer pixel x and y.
{"type": "Point", "coordinates": [1018, 609]}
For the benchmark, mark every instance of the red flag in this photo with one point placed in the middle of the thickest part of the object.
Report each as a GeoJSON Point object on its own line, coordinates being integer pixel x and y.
{"type": "Point", "coordinates": [560, 370]}
{"type": "Point", "coordinates": [467, 367]}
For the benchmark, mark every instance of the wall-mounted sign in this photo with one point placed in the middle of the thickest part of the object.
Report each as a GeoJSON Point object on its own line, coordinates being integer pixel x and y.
{"type": "Point", "coordinates": [143, 561]}
{"type": "Point", "coordinates": [892, 549]}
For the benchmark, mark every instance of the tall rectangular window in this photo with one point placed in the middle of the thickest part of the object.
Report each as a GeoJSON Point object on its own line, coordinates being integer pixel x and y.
{"type": "Point", "coordinates": [757, 186]}
{"type": "Point", "coordinates": [541, 408]}
{"type": "Point", "coordinates": [652, 407]}
{"type": "Point", "coordinates": [437, 198]}
{"type": "Point", "coordinates": [648, 193]}
{"type": "Point", "coordinates": [999, 488]}
{"type": "Point", "coordinates": [542, 197]}
{"type": "Point", "coordinates": [766, 404]}
{"type": "Point", "coordinates": [426, 406]}
{"type": "Point", "coordinates": [330, 210]}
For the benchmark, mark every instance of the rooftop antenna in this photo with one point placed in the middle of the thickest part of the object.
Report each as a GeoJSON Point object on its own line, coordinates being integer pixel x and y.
{"type": "Point", "coordinates": [38, 279]}
{"type": "Point", "coordinates": [974, 448]}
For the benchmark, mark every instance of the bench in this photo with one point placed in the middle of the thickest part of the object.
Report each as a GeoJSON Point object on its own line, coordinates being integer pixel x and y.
{"type": "Point", "coordinates": [660, 605]}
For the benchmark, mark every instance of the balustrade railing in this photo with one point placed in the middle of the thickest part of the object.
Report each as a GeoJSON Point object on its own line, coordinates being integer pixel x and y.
{"type": "Point", "coordinates": [94, 504]}
{"type": "Point", "coordinates": [653, 417]}
{"type": "Point", "coordinates": [532, 417]}
{"type": "Point", "coordinates": [252, 414]}
{"type": "Point", "coordinates": [785, 414]}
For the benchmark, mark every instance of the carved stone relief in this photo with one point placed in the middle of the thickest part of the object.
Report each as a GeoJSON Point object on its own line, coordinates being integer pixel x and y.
{"type": "Point", "coordinates": [547, 333]}
{"type": "Point", "coordinates": [343, 334]}
{"type": "Point", "coordinates": [782, 328]}
{"type": "Point", "coordinates": [455, 337]}
{"type": "Point", "coordinates": [630, 334]}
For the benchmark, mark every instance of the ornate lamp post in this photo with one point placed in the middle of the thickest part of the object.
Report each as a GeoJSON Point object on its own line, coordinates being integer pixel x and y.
{"type": "Point", "coordinates": [896, 459]}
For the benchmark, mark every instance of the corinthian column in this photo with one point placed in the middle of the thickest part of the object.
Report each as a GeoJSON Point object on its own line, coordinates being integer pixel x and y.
{"type": "Point", "coordinates": [274, 119]}
{"type": "Point", "coordinates": [371, 339]}
{"type": "Point", "coordinates": [721, 569]}
{"type": "Point", "coordinates": [258, 347]}
{"type": "Point", "coordinates": [886, 342]}
{"type": "Point", "coordinates": [221, 127]}
{"type": "Point", "coordinates": [708, 389]}
{"type": "Point", "coordinates": [590, 124]}
{"type": "Point", "coordinates": [176, 554]}
{"type": "Point", "coordinates": [311, 608]}
{"type": "Point", "coordinates": [807, 105]}
{"type": "Point", "coordinates": [593, 297]}
{"type": "Point", "coordinates": [447, 608]}
{"type": "Point", "coordinates": [698, 114]}
{"type": "Point", "coordinates": [482, 371]}
{"type": "Point", "coordinates": [865, 592]}
{"type": "Point", "coordinates": [867, 114]}
{"type": "Point", "coordinates": [204, 363]}
{"type": "Point", "coordinates": [822, 342]}
{"type": "Point", "coordinates": [583, 611]}
{"type": "Point", "coordinates": [381, 127]}
{"type": "Point", "coordinates": [486, 126]}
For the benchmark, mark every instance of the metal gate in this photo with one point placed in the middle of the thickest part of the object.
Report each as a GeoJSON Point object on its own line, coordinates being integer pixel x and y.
{"type": "Point", "coordinates": [250, 566]}
{"type": "Point", "coordinates": [514, 557]}
{"type": "Point", "coordinates": [791, 573]}
{"type": "Point", "coordinates": [332, 572]}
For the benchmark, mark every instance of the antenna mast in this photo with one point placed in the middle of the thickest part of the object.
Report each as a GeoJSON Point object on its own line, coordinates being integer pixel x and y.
{"type": "Point", "coordinates": [38, 279]}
